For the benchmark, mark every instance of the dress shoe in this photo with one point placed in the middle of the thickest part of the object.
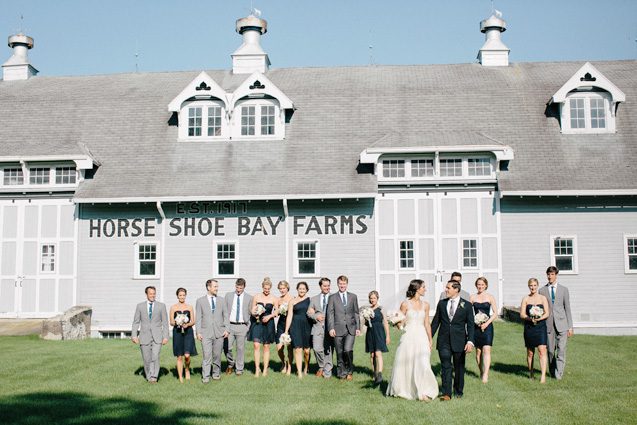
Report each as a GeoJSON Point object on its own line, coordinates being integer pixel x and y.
{"type": "Point", "coordinates": [216, 378]}
{"type": "Point", "coordinates": [205, 380]}
{"type": "Point", "coordinates": [229, 370]}
{"type": "Point", "coordinates": [445, 398]}
{"type": "Point", "coordinates": [319, 373]}
{"type": "Point", "coordinates": [239, 373]}
{"type": "Point", "coordinates": [379, 379]}
{"type": "Point", "coordinates": [349, 377]}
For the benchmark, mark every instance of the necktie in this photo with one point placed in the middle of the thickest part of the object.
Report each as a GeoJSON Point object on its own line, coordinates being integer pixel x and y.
{"type": "Point", "coordinates": [452, 309]}
{"type": "Point", "coordinates": [553, 294]}
{"type": "Point", "coordinates": [212, 302]}
{"type": "Point", "coordinates": [344, 298]}
{"type": "Point", "coordinates": [238, 308]}
{"type": "Point", "coordinates": [150, 311]}
{"type": "Point", "coordinates": [324, 307]}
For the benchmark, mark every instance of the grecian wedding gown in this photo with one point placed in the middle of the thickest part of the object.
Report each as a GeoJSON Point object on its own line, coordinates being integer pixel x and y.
{"type": "Point", "coordinates": [412, 377]}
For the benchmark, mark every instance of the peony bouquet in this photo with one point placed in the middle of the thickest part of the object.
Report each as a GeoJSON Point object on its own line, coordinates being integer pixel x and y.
{"type": "Point", "coordinates": [283, 309]}
{"type": "Point", "coordinates": [396, 318]}
{"type": "Point", "coordinates": [259, 310]}
{"type": "Point", "coordinates": [180, 320]}
{"type": "Point", "coordinates": [368, 314]}
{"type": "Point", "coordinates": [536, 312]}
{"type": "Point", "coordinates": [481, 318]}
{"type": "Point", "coordinates": [285, 339]}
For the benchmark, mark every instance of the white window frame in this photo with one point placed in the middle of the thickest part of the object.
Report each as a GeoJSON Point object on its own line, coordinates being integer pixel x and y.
{"type": "Point", "coordinates": [317, 258]}
{"type": "Point", "coordinates": [14, 167]}
{"type": "Point", "coordinates": [55, 175]}
{"type": "Point", "coordinates": [627, 255]}
{"type": "Point", "coordinates": [137, 261]}
{"type": "Point", "coordinates": [55, 257]}
{"type": "Point", "coordinates": [215, 258]}
{"type": "Point", "coordinates": [51, 174]}
{"type": "Point", "coordinates": [257, 103]}
{"type": "Point", "coordinates": [464, 158]}
{"type": "Point", "coordinates": [478, 253]}
{"type": "Point", "coordinates": [413, 251]}
{"type": "Point", "coordinates": [587, 96]}
{"type": "Point", "coordinates": [184, 116]}
{"type": "Point", "coordinates": [553, 238]}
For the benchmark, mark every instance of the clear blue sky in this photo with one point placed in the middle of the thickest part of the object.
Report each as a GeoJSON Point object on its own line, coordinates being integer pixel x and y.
{"type": "Point", "coordinates": [79, 37]}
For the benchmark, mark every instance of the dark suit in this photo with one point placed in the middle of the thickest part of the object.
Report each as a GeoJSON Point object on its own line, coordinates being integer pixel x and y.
{"type": "Point", "coordinates": [452, 338]}
{"type": "Point", "coordinates": [345, 320]}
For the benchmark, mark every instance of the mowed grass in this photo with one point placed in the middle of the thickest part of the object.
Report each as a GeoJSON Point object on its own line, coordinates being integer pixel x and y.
{"type": "Point", "coordinates": [99, 381]}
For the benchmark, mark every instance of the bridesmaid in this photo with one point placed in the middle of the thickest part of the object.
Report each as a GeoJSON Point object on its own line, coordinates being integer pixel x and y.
{"type": "Point", "coordinates": [299, 328]}
{"type": "Point", "coordinates": [535, 327]}
{"type": "Point", "coordinates": [183, 336]}
{"type": "Point", "coordinates": [377, 337]}
{"type": "Point", "coordinates": [284, 299]}
{"type": "Point", "coordinates": [262, 330]}
{"type": "Point", "coordinates": [484, 303]}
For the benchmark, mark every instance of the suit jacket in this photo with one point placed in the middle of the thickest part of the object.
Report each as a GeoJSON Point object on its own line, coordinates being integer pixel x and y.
{"type": "Point", "coordinates": [454, 334]}
{"type": "Point", "coordinates": [150, 330]}
{"type": "Point", "coordinates": [318, 328]}
{"type": "Point", "coordinates": [209, 325]}
{"type": "Point", "coordinates": [245, 306]}
{"type": "Point", "coordinates": [560, 316]}
{"type": "Point", "coordinates": [343, 319]}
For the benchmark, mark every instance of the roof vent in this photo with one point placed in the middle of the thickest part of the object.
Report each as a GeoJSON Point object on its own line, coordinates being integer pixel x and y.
{"type": "Point", "coordinates": [18, 66]}
{"type": "Point", "coordinates": [493, 52]}
{"type": "Point", "coordinates": [250, 57]}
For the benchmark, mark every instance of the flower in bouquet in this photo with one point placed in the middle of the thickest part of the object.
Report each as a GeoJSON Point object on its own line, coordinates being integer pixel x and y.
{"type": "Point", "coordinates": [283, 309]}
{"type": "Point", "coordinates": [259, 310]}
{"type": "Point", "coordinates": [285, 339]}
{"type": "Point", "coordinates": [396, 318]}
{"type": "Point", "coordinates": [180, 320]}
{"type": "Point", "coordinates": [481, 318]}
{"type": "Point", "coordinates": [536, 312]}
{"type": "Point", "coordinates": [368, 314]}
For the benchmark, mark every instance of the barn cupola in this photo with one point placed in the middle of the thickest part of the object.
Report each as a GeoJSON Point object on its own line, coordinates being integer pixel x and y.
{"type": "Point", "coordinates": [18, 66]}
{"type": "Point", "coordinates": [494, 52]}
{"type": "Point", "coordinates": [250, 57]}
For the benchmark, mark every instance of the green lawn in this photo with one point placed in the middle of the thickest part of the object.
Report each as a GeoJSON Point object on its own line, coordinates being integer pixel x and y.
{"type": "Point", "coordinates": [98, 381]}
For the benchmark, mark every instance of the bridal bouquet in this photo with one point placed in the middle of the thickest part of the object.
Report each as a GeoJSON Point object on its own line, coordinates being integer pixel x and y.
{"type": "Point", "coordinates": [536, 312]}
{"type": "Point", "coordinates": [283, 309]}
{"type": "Point", "coordinates": [180, 320]}
{"type": "Point", "coordinates": [481, 318]}
{"type": "Point", "coordinates": [368, 314]}
{"type": "Point", "coordinates": [259, 310]}
{"type": "Point", "coordinates": [396, 318]}
{"type": "Point", "coordinates": [285, 339]}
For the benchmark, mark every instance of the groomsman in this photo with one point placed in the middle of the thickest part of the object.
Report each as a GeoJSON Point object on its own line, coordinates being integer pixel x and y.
{"type": "Point", "coordinates": [343, 322]}
{"type": "Point", "coordinates": [454, 317]}
{"type": "Point", "coordinates": [456, 276]}
{"type": "Point", "coordinates": [212, 329]}
{"type": "Point", "coordinates": [238, 305]}
{"type": "Point", "coordinates": [560, 322]}
{"type": "Point", "coordinates": [321, 342]}
{"type": "Point", "coordinates": [150, 331]}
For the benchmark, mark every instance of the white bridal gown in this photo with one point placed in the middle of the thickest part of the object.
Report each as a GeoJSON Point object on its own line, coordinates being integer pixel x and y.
{"type": "Point", "coordinates": [412, 377]}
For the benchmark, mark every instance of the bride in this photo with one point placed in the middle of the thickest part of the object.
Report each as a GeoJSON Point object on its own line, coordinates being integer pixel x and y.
{"type": "Point", "coordinates": [412, 377]}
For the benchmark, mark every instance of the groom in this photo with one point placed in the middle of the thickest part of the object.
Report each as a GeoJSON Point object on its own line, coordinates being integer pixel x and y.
{"type": "Point", "coordinates": [343, 323]}
{"type": "Point", "coordinates": [454, 316]}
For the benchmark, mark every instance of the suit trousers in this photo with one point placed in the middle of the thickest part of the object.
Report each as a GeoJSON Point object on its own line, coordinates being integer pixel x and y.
{"type": "Point", "coordinates": [323, 353]}
{"type": "Point", "coordinates": [448, 370]}
{"type": "Point", "coordinates": [344, 354]}
{"type": "Point", "coordinates": [212, 348]}
{"type": "Point", "coordinates": [238, 334]}
{"type": "Point", "coordinates": [557, 351]}
{"type": "Point", "coordinates": [150, 355]}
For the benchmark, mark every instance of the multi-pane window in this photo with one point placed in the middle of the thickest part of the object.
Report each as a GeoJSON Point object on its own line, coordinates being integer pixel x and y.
{"type": "Point", "coordinates": [307, 257]}
{"type": "Point", "coordinates": [479, 166]}
{"type": "Point", "coordinates": [194, 121]}
{"type": "Point", "coordinates": [394, 168]}
{"type": "Point", "coordinates": [65, 175]}
{"type": "Point", "coordinates": [469, 253]}
{"type": "Point", "coordinates": [13, 176]}
{"type": "Point", "coordinates": [248, 120]}
{"type": "Point", "coordinates": [39, 175]}
{"type": "Point", "coordinates": [406, 249]}
{"type": "Point", "coordinates": [267, 120]}
{"type": "Point", "coordinates": [631, 254]}
{"type": "Point", "coordinates": [577, 113]}
{"type": "Point", "coordinates": [564, 254]}
{"type": "Point", "coordinates": [598, 115]}
{"type": "Point", "coordinates": [226, 258]}
{"type": "Point", "coordinates": [422, 167]}
{"type": "Point", "coordinates": [47, 258]}
{"type": "Point", "coordinates": [147, 260]}
{"type": "Point", "coordinates": [214, 120]}
{"type": "Point", "coordinates": [588, 112]}
{"type": "Point", "coordinates": [451, 167]}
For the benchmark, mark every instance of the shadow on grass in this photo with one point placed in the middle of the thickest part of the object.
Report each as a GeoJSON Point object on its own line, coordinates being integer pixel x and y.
{"type": "Point", "coordinates": [83, 409]}
{"type": "Point", "coordinates": [511, 369]}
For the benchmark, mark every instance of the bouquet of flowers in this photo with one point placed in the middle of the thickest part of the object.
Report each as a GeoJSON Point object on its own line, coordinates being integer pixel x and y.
{"type": "Point", "coordinates": [480, 319]}
{"type": "Point", "coordinates": [180, 320]}
{"type": "Point", "coordinates": [283, 309]}
{"type": "Point", "coordinates": [396, 318]}
{"type": "Point", "coordinates": [368, 314]}
{"type": "Point", "coordinates": [285, 339]}
{"type": "Point", "coordinates": [536, 312]}
{"type": "Point", "coordinates": [259, 310]}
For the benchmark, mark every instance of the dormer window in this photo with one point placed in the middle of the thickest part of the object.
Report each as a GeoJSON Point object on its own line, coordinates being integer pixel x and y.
{"type": "Point", "coordinates": [13, 177]}
{"type": "Point", "coordinates": [437, 168]}
{"type": "Point", "coordinates": [204, 120]}
{"type": "Point", "coordinates": [258, 118]}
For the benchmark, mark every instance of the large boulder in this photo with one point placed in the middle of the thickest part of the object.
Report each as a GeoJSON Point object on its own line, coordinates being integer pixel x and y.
{"type": "Point", "coordinates": [74, 323]}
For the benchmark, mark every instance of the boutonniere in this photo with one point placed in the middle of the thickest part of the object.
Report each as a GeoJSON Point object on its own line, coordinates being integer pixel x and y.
{"type": "Point", "coordinates": [461, 304]}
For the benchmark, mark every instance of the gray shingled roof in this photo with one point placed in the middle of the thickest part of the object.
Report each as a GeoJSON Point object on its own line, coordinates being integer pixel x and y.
{"type": "Point", "coordinates": [124, 121]}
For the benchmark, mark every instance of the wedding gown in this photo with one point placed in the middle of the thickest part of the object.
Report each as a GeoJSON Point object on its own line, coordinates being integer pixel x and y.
{"type": "Point", "coordinates": [412, 377]}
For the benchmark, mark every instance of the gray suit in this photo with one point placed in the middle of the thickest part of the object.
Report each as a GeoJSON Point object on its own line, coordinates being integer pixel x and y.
{"type": "Point", "coordinates": [558, 324]}
{"type": "Point", "coordinates": [237, 331]}
{"type": "Point", "coordinates": [345, 320]}
{"type": "Point", "coordinates": [321, 341]}
{"type": "Point", "coordinates": [151, 332]}
{"type": "Point", "coordinates": [211, 326]}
